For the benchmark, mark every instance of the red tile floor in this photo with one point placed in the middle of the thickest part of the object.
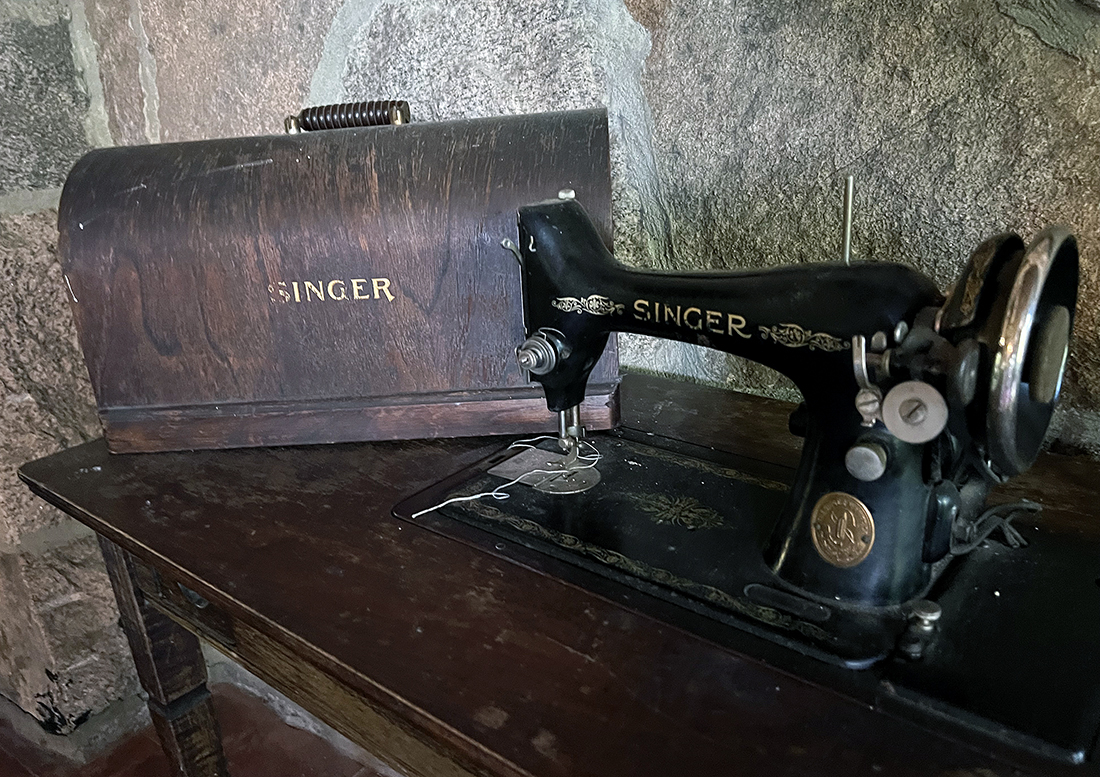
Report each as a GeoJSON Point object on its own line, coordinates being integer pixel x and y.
{"type": "Point", "coordinates": [257, 744]}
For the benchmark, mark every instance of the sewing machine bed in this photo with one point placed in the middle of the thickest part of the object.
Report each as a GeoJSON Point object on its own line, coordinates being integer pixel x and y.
{"type": "Point", "coordinates": [673, 530]}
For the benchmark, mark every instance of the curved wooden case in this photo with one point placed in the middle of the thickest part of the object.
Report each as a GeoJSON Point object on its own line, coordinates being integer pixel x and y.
{"type": "Point", "coordinates": [324, 287]}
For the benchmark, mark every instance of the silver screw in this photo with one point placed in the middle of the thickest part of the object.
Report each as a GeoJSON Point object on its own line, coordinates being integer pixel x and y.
{"type": "Point", "coordinates": [901, 331]}
{"type": "Point", "coordinates": [913, 412]}
{"type": "Point", "coordinates": [926, 613]}
{"type": "Point", "coordinates": [867, 403]}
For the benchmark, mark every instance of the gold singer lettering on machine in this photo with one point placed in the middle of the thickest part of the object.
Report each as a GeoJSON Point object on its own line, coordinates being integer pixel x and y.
{"type": "Point", "coordinates": [692, 318]}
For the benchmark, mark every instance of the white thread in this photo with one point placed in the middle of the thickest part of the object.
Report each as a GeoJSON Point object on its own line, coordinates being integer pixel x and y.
{"type": "Point", "coordinates": [528, 442]}
{"type": "Point", "coordinates": [498, 492]}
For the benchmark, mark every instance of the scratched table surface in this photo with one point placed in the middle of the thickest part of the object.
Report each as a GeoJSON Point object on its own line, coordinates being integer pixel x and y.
{"type": "Point", "coordinates": [495, 661]}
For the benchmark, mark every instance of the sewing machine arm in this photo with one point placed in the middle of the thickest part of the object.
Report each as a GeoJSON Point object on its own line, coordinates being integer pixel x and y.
{"type": "Point", "coordinates": [914, 403]}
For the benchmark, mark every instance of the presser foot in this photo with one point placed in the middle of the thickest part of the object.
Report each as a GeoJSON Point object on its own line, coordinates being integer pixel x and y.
{"type": "Point", "coordinates": [549, 472]}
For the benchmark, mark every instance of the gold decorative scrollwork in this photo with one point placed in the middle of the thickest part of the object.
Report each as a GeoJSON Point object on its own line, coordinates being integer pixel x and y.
{"type": "Point", "coordinates": [706, 466]}
{"type": "Point", "coordinates": [974, 280]}
{"type": "Point", "coordinates": [641, 569]}
{"type": "Point", "coordinates": [686, 511]}
{"type": "Point", "coordinates": [794, 336]}
{"type": "Point", "coordinates": [595, 304]}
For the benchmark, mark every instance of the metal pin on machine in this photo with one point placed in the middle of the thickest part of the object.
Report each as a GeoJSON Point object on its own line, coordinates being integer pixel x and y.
{"type": "Point", "coordinates": [849, 191]}
{"type": "Point", "coordinates": [570, 430]}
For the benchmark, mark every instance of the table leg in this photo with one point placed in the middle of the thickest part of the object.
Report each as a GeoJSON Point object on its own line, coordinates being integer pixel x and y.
{"type": "Point", "coordinates": [172, 671]}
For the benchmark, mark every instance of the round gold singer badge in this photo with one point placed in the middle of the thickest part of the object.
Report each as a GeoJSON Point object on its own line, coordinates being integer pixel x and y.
{"type": "Point", "coordinates": [842, 529]}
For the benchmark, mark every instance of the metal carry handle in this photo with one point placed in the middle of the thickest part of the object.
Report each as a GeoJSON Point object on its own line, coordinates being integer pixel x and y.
{"type": "Point", "coordinates": [372, 113]}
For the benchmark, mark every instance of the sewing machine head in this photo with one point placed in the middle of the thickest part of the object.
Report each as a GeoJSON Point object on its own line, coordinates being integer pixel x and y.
{"type": "Point", "coordinates": [914, 403]}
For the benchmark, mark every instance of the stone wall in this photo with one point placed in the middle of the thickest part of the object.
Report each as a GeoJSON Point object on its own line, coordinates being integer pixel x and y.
{"type": "Point", "coordinates": [733, 124]}
{"type": "Point", "coordinates": [62, 654]}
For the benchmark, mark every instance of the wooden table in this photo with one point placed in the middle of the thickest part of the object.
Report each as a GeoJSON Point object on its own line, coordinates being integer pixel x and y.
{"type": "Point", "coordinates": [447, 659]}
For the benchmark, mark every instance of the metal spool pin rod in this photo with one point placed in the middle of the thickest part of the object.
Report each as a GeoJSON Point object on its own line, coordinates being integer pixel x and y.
{"type": "Point", "coordinates": [849, 191]}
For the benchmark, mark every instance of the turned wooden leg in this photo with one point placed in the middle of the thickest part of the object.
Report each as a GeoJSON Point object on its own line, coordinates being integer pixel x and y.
{"type": "Point", "coordinates": [172, 671]}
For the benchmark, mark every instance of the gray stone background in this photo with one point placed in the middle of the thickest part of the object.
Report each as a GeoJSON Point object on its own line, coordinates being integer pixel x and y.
{"type": "Point", "coordinates": [733, 125]}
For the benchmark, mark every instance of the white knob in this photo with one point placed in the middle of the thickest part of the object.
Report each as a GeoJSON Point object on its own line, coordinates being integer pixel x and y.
{"type": "Point", "coordinates": [865, 461]}
{"type": "Point", "coordinates": [914, 412]}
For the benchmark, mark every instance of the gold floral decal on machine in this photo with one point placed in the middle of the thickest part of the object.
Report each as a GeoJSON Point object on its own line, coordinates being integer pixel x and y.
{"type": "Point", "coordinates": [596, 304]}
{"type": "Point", "coordinates": [726, 472]}
{"type": "Point", "coordinates": [794, 336]}
{"type": "Point", "coordinates": [684, 511]}
{"type": "Point", "coordinates": [715, 596]}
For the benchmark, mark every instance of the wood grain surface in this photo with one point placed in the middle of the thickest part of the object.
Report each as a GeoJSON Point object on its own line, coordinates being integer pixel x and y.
{"type": "Point", "coordinates": [321, 287]}
{"type": "Point", "coordinates": [505, 667]}
{"type": "Point", "coordinates": [172, 671]}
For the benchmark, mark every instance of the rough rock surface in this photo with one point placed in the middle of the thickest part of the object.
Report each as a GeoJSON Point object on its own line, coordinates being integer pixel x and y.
{"type": "Point", "coordinates": [113, 26]}
{"type": "Point", "coordinates": [958, 121]}
{"type": "Point", "coordinates": [42, 103]}
{"type": "Point", "coordinates": [63, 656]}
{"type": "Point", "coordinates": [472, 58]}
{"type": "Point", "coordinates": [173, 71]}
{"type": "Point", "coordinates": [44, 390]}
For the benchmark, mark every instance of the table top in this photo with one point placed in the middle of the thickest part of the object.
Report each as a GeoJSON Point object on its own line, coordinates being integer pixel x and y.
{"type": "Point", "coordinates": [516, 671]}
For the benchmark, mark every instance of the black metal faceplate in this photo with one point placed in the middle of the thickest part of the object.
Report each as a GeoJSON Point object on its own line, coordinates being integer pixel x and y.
{"type": "Point", "coordinates": [687, 530]}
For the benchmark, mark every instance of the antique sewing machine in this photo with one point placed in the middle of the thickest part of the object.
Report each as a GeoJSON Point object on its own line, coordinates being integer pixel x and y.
{"type": "Point", "coordinates": [880, 554]}
{"type": "Point", "coordinates": [283, 315]}
{"type": "Point", "coordinates": [914, 405]}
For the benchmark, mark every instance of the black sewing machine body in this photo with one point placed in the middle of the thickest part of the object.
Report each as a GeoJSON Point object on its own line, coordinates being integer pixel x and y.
{"type": "Point", "coordinates": [849, 563]}
{"type": "Point", "coordinates": [845, 534]}
{"type": "Point", "coordinates": [797, 320]}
